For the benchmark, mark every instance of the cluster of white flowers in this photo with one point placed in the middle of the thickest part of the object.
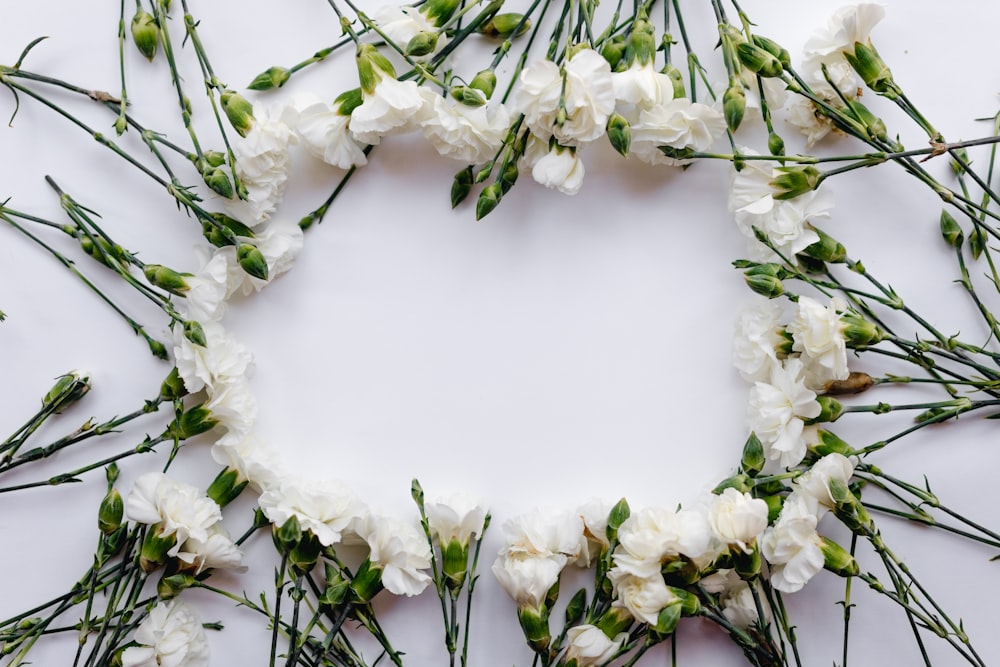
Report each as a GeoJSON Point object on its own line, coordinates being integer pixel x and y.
{"type": "Point", "coordinates": [186, 524]}
{"type": "Point", "coordinates": [171, 635]}
{"type": "Point", "coordinates": [789, 366]}
{"type": "Point", "coordinates": [825, 51]}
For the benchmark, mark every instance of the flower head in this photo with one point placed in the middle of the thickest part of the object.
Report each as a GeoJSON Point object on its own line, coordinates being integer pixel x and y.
{"type": "Point", "coordinates": [459, 517]}
{"type": "Point", "coordinates": [737, 518]}
{"type": "Point", "coordinates": [818, 333]}
{"type": "Point", "coordinates": [589, 646]}
{"type": "Point", "coordinates": [262, 163]}
{"type": "Point", "coordinates": [777, 411]}
{"type": "Point", "coordinates": [756, 340]}
{"type": "Point", "coordinates": [325, 129]}
{"type": "Point", "coordinates": [792, 546]}
{"type": "Point", "coordinates": [327, 509]}
{"type": "Point", "coordinates": [400, 551]}
{"type": "Point", "coordinates": [470, 134]}
{"type": "Point", "coordinates": [170, 636]}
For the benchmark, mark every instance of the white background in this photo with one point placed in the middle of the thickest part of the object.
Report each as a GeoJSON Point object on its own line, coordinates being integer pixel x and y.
{"type": "Point", "coordinates": [561, 349]}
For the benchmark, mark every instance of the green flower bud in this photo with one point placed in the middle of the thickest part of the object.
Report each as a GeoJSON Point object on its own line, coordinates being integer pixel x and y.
{"type": "Point", "coordinates": [274, 77]}
{"type": "Point", "coordinates": [439, 11]}
{"type": "Point", "coordinates": [773, 506]}
{"type": "Point", "coordinates": [166, 278]}
{"type": "Point", "coordinates": [836, 559]}
{"type": "Point", "coordinates": [101, 251]}
{"type": "Point", "coordinates": [173, 387]}
{"type": "Point", "coordinates": [676, 79]}
{"type": "Point", "coordinates": [372, 66]}
{"type": "Point", "coordinates": [67, 390]}
{"type": "Point", "coordinates": [774, 49]}
{"type": "Point", "coordinates": [218, 180]}
{"type": "Point", "coordinates": [641, 45]}
{"type": "Point", "coordinates": [734, 104]}
{"type": "Point", "coordinates": [829, 443]}
{"type": "Point", "coordinates": [461, 186]}
{"type": "Point", "coordinates": [618, 515]}
{"type": "Point", "coordinates": [252, 260]}
{"type": "Point", "coordinates": [470, 97]}
{"type": "Point", "coordinates": [193, 422]}
{"type": "Point", "coordinates": [194, 332]}
{"type": "Point", "coordinates": [145, 33]}
{"type": "Point", "coordinates": [859, 332]}
{"type": "Point", "coordinates": [669, 617]}
{"type": "Point", "coordinates": [506, 25]}
{"type": "Point", "coordinates": [753, 456]}
{"type": "Point", "coordinates": [336, 588]}
{"type": "Point", "coordinates": [509, 177]}
{"type": "Point", "coordinates": [485, 81]}
{"type": "Point", "coordinates": [950, 230]}
{"type": "Point", "coordinates": [153, 552]}
{"type": "Point", "coordinates": [226, 487]}
{"type": "Point", "coordinates": [158, 349]}
{"type": "Point", "coordinates": [690, 605]}
{"type": "Point", "coordinates": [758, 60]}
{"type": "Point", "coordinates": [874, 126]}
{"type": "Point", "coordinates": [422, 44]}
{"type": "Point", "coordinates": [830, 410]}
{"type": "Point", "coordinates": [739, 482]}
{"type": "Point", "coordinates": [367, 582]}
{"type": "Point", "coordinates": [775, 144]}
{"type": "Point", "coordinates": [287, 535]}
{"type": "Point", "coordinates": [956, 166]}
{"type": "Point", "coordinates": [977, 241]}
{"type": "Point", "coordinates": [614, 51]}
{"type": "Point", "coordinates": [576, 608]}
{"type": "Point", "coordinates": [239, 111]}
{"type": "Point", "coordinates": [764, 281]}
{"type": "Point", "coordinates": [614, 621]}
{"type": "Point", "coordinates": [211, 230]}
{"type": "Point", "coordinates": [619, 133]}
{"type": "Point", "coordinates": [795, 181]}
{"type": "Point", "coordinates": [305, 553]}
{"type": "Point", "coordinates": [169, 587]}
{"type": "Point", "coordinates": [872, 69]}
{"type": "Point", "coordinates": [535, 626]}
{"type": "Point", "coordinates": [488, 200]}
{"type": "Point", "coordinates": [826, 249]}
{"type": "Point", "coordinates": [109, 515]}
{"type": "Point", "coordinates": [120, 125]}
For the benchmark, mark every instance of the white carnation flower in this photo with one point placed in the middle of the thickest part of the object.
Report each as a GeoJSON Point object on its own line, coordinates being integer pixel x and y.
{"type": "Point", "coordinates": [389, 106]}
{"type": "Point", "coordinates": [737, 518]}
{"type": "Point", "coordinates": [848, 26]}
{"type": "Point", "coordinates": [527, 577]}
{"type": "Point", "coordinates": [642, 596]}
{"type": "Point", "coordinates": [792, 546]}
{"type": "Point", "coordinates": [545, 532]}
{"type": "Point", "coordinates": [262, 163]}
{"type": "Point", "coordinates": [588, 98]}
{"type": "Point", "coordinates": [469, 134]}
{"type": "Point", "coordinates": [641, 86]}
{"type": "Point", "coordinates": [205, 298]}
{"type": "Point", "coordinates": [740, 607]}
{"type": "Point", "coordinates": [175, 508]}
{"type": "Point", "coordinates": [400, 551]}
{"type": "Point", "coordinates": [222, 360]}
{"type": "Point", "coordinates": [170, 636]}
{"type": "Point", "coordinates": [253, 460]}
{"type": "Point", "coordinates": [589, 646]}
{"type": "Point", "coordinates": [751, 199]}
{"type": "Point", "coordinates": [280, 242]}
{"type": "Point", "coordinates": [815, 482]}
{"type": "Point", "coordinates": [560, 168]}
{"type": "Point", "coordinates": [594, 514]}
{"type": "Point", "coordinates": [677, 123]}
{"type": "Point", "coordinates": [325, 131]}
{"type": "Point", "coordinates": [234, 406]}
{"type": "Point", "coordinates": [756, 338]}
{"type": "Point", "coordinates": [327, 509]}
{"type": "Point", "coordinates": [777, 410]}
{"type": "Point", "coordinates": [459, 517]}
{"type": "Point", "coordinates": [217, 551]}
{"type": "Point", "coordinates": [654, 535]}
{"type": "Point", "coordinates": [401, 23]}
{"type": "Point", "coordinates": [818, 334]}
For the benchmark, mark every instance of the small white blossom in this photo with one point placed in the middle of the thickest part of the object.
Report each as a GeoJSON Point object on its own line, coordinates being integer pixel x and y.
{"type": "Point", "coordinates": [641, 86]}
{"type": "Point", "coordinates": [737, 518]}
{"type": "Point", "coordinates": [818, 334]}
{"type": "Point", "coordinates": [459, 517]}
{"type": "Point", "coordinates": [848, 26]}
{"type": "Point", "coordinates": [589, 646]}
{"type": "Point", "coordinates": [560, 168]}
{"type": "Point", "coordinates": [401, 23]}
{"type": "Point", "coordinates": [400, 551]}
{"type": "Point", "coordinates": [279, 242]}
{"type": "Point", "coordinates": [221, 361]}
{"type": "Point", "coordinates": [262, 163]}
{"type": "Point", "coordinates": [594, 514]}
{"type": "Point", "coordinates": [654, 535]}
{"type": "Point", "coordinates": [777, 410]}
{"type": "Point", "coordinates": [527, 577]}
{"type": "Point", "coordinates": [234, 406]}
{"type": "Point", "coordinates": [642, 596]}
{"type": "Point", "coordinates": [327, 508]}
{"type": "Point", "coordinates": [215, 552]}
{"type": "Point", "coordinates": [815, 482]}
{"type": "Point", "coordinates": [740, 608]}
{"type": "Point", "coordinates": [545, 532]}
{"type": "Point", "coordinates": [792, 546]}
{"type": "Point", "coordinates": [175, 508]}
{"type": "Point", "coordinates": [756, 338]}
{"type": "Point", "coordinates": [170, 636]}
{"type": "Point", "coordinates": [751, 199]}
{"type": "Point", "coordinates": [588, 98]}
{"type": "Point", "coordinates": [254, 460]}
{"type": "Point", "coordinates": [205, 298]}
{"type": "Point", "coordinates": [471, 135]}
{"type": "Point", "coordinates": [325, 131]}
{"type": "Point", "coordinates": [389, 108]}
{"type": "Point", "coordinates": [677, 123]}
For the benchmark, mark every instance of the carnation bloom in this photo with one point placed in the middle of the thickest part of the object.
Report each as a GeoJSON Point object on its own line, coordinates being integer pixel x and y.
{"type": "Point", "coordinates": [560, 168]}
{"type": "Point", "coordinates": [815, 482]}
{"type": "Point", "coordinates": [655, 535]}
{"type": "Point", "coordinates": [777, 410]}
{"type": "Point", "coordinates": [588, 98]}
{"type": "Point", "coordinates": [400, 551]}
{"type": "Point", "coordinates": [792, 546]}
{"type": "Point", "coordinates": [327, 509]}
{"type": "Point", "coordinates": [737, 518]}
{"type": "Point", "coordinates": [527, 577]}
{"type": "Point", "coordinates": [751, 199]}
{"type": "Point", "coordinates": [254, 460]}
{"type": "Point", "coordinates": [818, 333]}
{"type": "Point", "coordinates": [677, 123]}
{"type": "Point", "coordinates": [205, 297]}
{"type": "Point", "coordinates": [389, 104]}
{"type": "Point", "coordinates": [325, 131]}
{"type": "Point", "coordinates": [589, 646]}
{"type": "Point", "coordinates": [175, 508]}
{"type": "Point", "coordinates": [401, 23]}
{"type": "Point", "coordinates": [459, 518]}
{"type": "Point", "coordinates": [262, 164]}
{"type": "Point", "coordinates": [279, 242]}
{"type": "Point", "coordinates": [756, 339]}
{"type": "Point", "coordinates": [642, 596]}
{"type": "Point", "coordinates": [171, 635]}
{"type": "Point", "coordinates": [470, 134]}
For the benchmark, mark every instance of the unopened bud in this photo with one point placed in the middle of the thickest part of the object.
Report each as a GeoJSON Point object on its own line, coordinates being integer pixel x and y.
{"type": "Point", "coordinates": [775, 144]}
{"type": "Point", "coordinates": [855, 383]}
{"type": "Point", "coordinates": [950, 230]}
{"type": "Point", "coordinates": [614, 51]}
{"type": "Point", "coordinates": [145, 33]}
{"type": "Point", "coordinates": [764, 281]}
{"type": "Point", "coordinates": [468, 96]}
{"type": "Point", "coordinates": [830, 443]}
{"type": "Point", "coordinates": [977, 241]}
{"type": "Point", "coordinates": [252, 260]}
{"type": "Point", "coordinates": [165, 278]}
{"type": "Point", "coordinates": [619, 133]}
{"type": "Point", "coordinates": [169, 587]}
{"type": "Point", "coordinates": [872, 69]}
{"type": "Point", "coordinates": [238, 110]}
{"type": "Point", "coordinates": [461, 186]}
{"type": "Point", "coordinates": [486, 81]}
{"type": "Point", "coordinates": [734, 104]}
{"type": "Point", "coordinates": [195, 421]}
{"type": "Point", "coordinates": [422, 44]}
{"type": "Point", "coordinates": [195, 333]}
{"type": "Point", "coordinates": [826, 249]}
{"type": "Point", "coordinates": [758, 60]}
{"type": "Point", "coordinates": [836, 559]}
{"type": "Point", "coordinates": [488, 200]}
{"type": "Point", "coordinates": [859, 332]}
{"type": "Point", "coordinates": [173, 387]}
{"type": "Point", "coordinates": [774, 49]}
{"type": "Point", "coordinates": [110, 513]}
{"type": "Point", "coordinates": [668, 618]}
{"type": "Point", "coordinates": [509, 177]}
{"type": "Point", "coordinates": [753, 456]}
{"type": "Point", "coordinates": [830, 410]}
{"type": "Point", "coordinates": [792, 182]}
{"type": "Point", "coordinates": [874, 126]}
{"type": "Point", "coordinates": [214, 158]}
{"type": "Point", "coordinates": [218, 180]}
{"type": "Point", "coordinates": [67, 390]}
{"type": "Point", "coordinates": [506, 25]}
{"type": "Point", "coordinates": [275, 77]}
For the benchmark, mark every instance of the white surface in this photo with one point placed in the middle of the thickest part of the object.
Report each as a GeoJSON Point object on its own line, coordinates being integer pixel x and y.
{"type": "Point", "coordinates": [563, 348]}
